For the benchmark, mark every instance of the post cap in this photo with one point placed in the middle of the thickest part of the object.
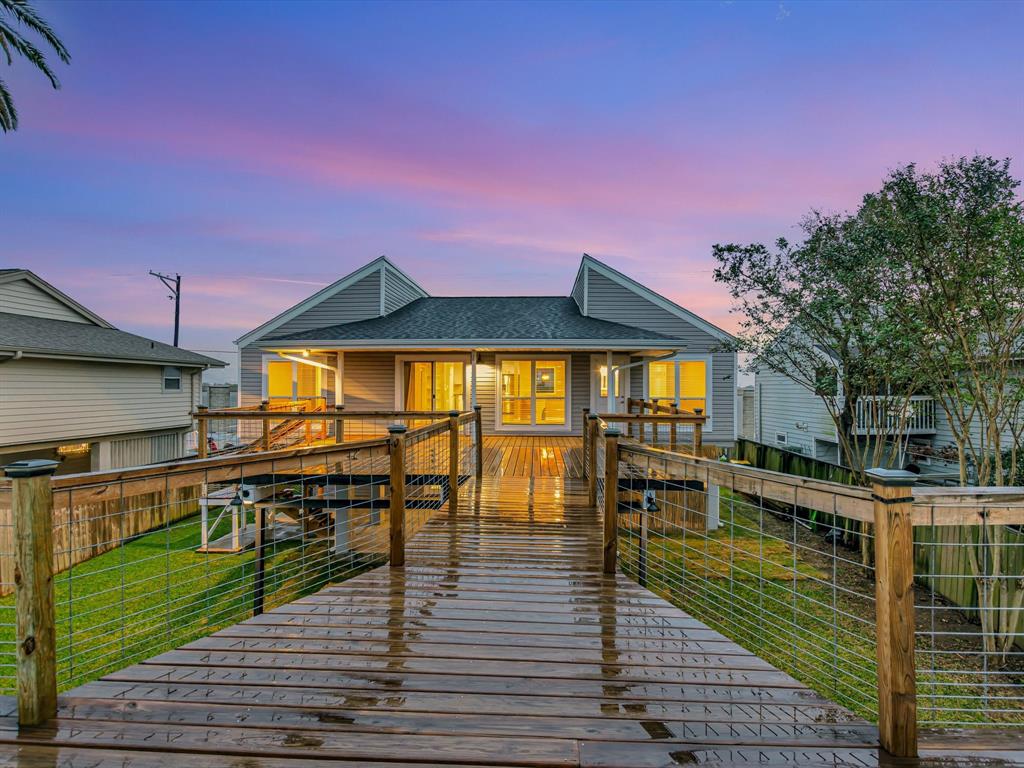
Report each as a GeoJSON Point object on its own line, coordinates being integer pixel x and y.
{"type": "Point", "coordinates": [31, 467]}
{"type": "Point", "coordinates": [891, 477]}
{"type": "Point", "coordinates": [592, 416]}
{"type": "Point", "coordinates": [612, 432]}
{"type": "Point", "coordinates": [397, 429]}
{"type": "Point", "coordinates": [453, 414]}
{"type": "Point", "coordinates": [698, 411]}
{"type": "Point", "coordinates": [477, 407]}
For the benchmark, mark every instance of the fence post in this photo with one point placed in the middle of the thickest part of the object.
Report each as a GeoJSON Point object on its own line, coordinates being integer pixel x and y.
{"type": "Point", "coordinates": [894, 605]}
{"type": "Point", "coordinates": [36, 638]}
{"type": "Point", "coordinates": [611, 498]}
{"type": "Point", "coordinates": [479, 420]}
{"type": "Point", "coordinates": [259, 576]}
{"type": "Point", "coordinates": [453, 462]}
{"type": "Point", "coordinates": [396, 447]}
{"type": "Point", "coordinates": [339, 425]}
{"type": "Point", "coordinates": [265, 426]}
{"type": "Point", "coordinates": [698, 434]}
{"type": "Point", "coordinates": [590, 433]}
{"type": "Point", "coordinates": [673, 427]}
{"type": "Point", "coordinates": [202, 427]}
{"type": "Point", "coordinates": [586, 436]}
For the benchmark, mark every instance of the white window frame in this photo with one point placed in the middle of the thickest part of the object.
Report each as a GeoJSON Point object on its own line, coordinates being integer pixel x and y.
{"type": "Point", "coordinates": [784, 440]}
{"type": "Point", "coordinates": [599, 402]}
{"type": "Point", "coordinates": [164, 377]}
{"type": "Point", "coordinates": [708, 382]}
{"type": "Point", "coordinates": [274, 358]}
{"type": "Point", "coordinates": [556, 428]}
{"type": "Point", "coordinates": [401, 360]}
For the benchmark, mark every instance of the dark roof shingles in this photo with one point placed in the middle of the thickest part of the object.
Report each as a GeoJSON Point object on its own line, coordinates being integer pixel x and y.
{"type": "Point", "coordinates": [43, 335]}
{"type": "Point", "coordinates": [479, 318]}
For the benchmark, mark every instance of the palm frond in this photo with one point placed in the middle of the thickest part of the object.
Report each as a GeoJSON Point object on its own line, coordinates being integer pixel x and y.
{"type": "Point", "coordinates": [28, 16]}
{"type": "Point", "coordinates": [28, 50]}
{"type": "Point", "coordinates": [8, 114]}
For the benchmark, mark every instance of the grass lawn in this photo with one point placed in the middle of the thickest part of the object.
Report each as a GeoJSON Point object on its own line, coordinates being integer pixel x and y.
{"type": "Point", "coordinates": [156, 593]}
{"type": "Point", "coordinates": [806, 611]}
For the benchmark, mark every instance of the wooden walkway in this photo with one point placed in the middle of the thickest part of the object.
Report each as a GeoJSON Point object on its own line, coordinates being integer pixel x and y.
{"type": "Point", "coordinates": [533, 456]}
{"type": "Point", "coordinates": [499, 644]}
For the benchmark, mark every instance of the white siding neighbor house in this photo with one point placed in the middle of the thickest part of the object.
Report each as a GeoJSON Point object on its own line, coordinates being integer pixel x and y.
{"type": "Point", "coordinates": [790, 416]}
{"type": "Point", "coordinates": [75, 389]}
{"type": "Point", "coordinates": [376, 340]}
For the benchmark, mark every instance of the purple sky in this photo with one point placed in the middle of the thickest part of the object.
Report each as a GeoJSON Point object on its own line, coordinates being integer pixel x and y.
{"type": "Point", "coordinates": [265, 150]}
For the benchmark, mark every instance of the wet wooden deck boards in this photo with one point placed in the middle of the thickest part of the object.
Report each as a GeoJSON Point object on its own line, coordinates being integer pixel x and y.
{"type": "Point", "coordinates": [499, 644]}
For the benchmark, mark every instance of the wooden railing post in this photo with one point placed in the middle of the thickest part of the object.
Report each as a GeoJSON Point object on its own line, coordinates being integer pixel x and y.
{"type": "Point", "coordinates": [260, 562]}
{"type": "Point", "coordinates": [478, 419]}
{"type": "Point", "coordinates": [673, 429]}
{"type": "Point", "coordinates": [894, 606]}
{"type": "Point", "coordinates": [590, 433]}
{"type": "Point", "coordinates": [586, 435]}
{"type": "Point", "coordinates": [202, 429]}
{"type": "Point", "coordinates": [453, 462]}
{"type": "Point", "coordinates": [339, 426]}
{"type": "Point", "coordinates": [36, 638]}
{"type": "Point", "coordinates": [396, 447]}
{"type": "Point", "coordinates": [611, 498]}
{"type": "Point", "coordinates": [698, 434]}
{"type": "Point", "coordinates": [265, 406]}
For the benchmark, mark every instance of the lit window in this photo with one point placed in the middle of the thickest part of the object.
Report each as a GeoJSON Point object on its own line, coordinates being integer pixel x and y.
{"type": "Point", "coordinates": [279, 379]}
{"type": "Point", "coordinates": [661, 384]}
{"type": "Point", "coordinates": [172, 378]}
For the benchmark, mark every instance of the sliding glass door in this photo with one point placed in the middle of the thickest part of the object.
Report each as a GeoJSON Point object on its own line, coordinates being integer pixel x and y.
{"type": "Point", "coordinates": [434, 385]}
{"type": "Point", "coordinates": [534, 393]}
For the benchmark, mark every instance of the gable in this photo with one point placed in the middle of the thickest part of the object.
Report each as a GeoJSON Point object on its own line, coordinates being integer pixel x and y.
{"type": "Point", "coordinates": [399, 289]}
{"type": "Point", "coordinates": [371, 291]}
{"type": "Point", "coordinates": [608, 295]}
{"type": "Point", "coordinates": [22, 293]}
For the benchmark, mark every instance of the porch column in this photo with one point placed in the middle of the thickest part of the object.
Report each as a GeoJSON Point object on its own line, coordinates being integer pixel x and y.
{"type": "Point", "coordinates": [472, 379]}
{"type": "Point", "coordinates": [611, 384]}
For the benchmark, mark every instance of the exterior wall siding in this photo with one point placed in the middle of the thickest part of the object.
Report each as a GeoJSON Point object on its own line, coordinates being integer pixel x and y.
{"type": "Point", "coordinates": [20, 297]}
{"type": "Point", "coordinates": [398, 290]}
{"type": "Point", "coordinates": [781, 405]}
{"type": "Point", "coordinates": [65, 400]}
{"type": "Point", "coordinates": [147, 449]}
{"type": "Point", "coordinates": [360, 301]}
{"type": "Point", "coordinates": [578, 291]}
{"type": "Point", "coordinates": [608, 300]}
{"type": "Point", "coordinates": [369, 381]}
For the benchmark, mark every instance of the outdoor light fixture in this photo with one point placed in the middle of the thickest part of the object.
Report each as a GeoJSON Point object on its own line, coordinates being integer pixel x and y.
{"type": "Point", "coordinates": [75, 449]}
{"type": "Point", "coordinates": [305, 353]}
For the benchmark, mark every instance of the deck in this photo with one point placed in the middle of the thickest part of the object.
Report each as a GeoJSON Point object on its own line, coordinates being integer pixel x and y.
{"type": "Point", "coordinates": [499, 644]}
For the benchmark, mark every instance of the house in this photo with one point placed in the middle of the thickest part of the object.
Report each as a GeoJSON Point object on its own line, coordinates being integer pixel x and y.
{"type": "Point", "coordinates": [377, 340]}
{"type": "Point", "coordinates": [75, 389]}
{"type": "Point", "coordinates": [788, 415]}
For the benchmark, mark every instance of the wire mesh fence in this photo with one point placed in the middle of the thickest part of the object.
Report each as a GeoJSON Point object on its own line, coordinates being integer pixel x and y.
{"type": "Point", "coordinates": [147, 560]}
{"type": "Point", "coordinates": [970, 624]}
{"type": "Point", "coordinates": [788, 586]}
{"type": "Point", "coordinates": [787, 568]}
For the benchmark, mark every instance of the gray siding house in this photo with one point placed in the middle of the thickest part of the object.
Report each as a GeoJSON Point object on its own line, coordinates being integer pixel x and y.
{"type": "Point", "coordinates": [376, 340]}
{"type": "Point", "coordinates": [75, 389]}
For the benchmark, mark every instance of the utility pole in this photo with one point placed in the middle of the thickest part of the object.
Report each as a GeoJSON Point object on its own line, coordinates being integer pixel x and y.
{"type": "Point", "coordinates": [174, 286]}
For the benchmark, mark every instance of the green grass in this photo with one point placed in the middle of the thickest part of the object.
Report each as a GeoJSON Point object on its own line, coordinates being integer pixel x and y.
{"type": "Point", "coordinates": [156, 593]}
{"type": "Point", "coordinates": [804, 611]}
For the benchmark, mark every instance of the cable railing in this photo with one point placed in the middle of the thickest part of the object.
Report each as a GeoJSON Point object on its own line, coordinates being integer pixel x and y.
{"type": "Point", "coordinates": [275, 425]}
{"type": "Point", "coordinates": [111, 568]}
{"type": "Point", "coordinates": [860, 593]}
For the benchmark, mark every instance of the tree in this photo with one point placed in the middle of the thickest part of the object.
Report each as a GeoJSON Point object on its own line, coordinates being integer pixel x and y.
{"type": "Point", "coordinates": [953, 243]}
{"type": "Point", "coordinates": [15, 15]}
{"type": "Point", "coordinates": [816, 313]}
{"type": "Point", "coordinates": [954, 240]}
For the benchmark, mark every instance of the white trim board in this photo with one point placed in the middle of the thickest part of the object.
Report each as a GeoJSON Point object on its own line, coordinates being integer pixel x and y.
{"type": "Point", "coordinates": [323, 294]}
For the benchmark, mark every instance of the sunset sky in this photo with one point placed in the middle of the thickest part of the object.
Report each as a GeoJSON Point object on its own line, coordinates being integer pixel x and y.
{"type": "Point", "coordinates": [265, 150]}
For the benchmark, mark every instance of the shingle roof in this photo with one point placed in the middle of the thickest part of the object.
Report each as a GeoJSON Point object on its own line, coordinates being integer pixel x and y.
{"type": "Point", "coordinates": [42, 335]}
{"type": "Point", "coordinates": [479, 318]}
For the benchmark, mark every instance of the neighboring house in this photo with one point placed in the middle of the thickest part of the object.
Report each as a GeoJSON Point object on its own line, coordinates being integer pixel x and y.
{"type": "Point", "coordinates": [376, 340]}
{"type": "Point", "coordinates": [789, 415]}
{"type": "Point", "coordinates": [76, 389]}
